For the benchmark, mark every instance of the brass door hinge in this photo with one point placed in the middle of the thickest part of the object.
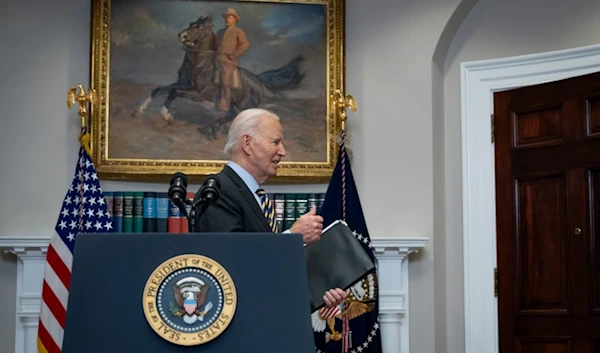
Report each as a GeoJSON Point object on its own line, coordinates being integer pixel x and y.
{"type": "Point", "coordinates": [495, 281]}
{"type": "Point", "coordinates": [493, 128]}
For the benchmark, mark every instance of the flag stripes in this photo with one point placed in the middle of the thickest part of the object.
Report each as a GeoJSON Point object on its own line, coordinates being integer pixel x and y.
{"type": "Point", "coordinates": [63, 252]}
{"type": "Point", "coordinates": [53, 328]}
{"type": "Point", "coordinates": [54, 304]}
{"type": "Point", "coordinates": [50, 346]}
{"type": "Point", "coordinates": [56, 286]}
{"type": "Point", "coordinates": [83, 210]}
{"type": "Point", "coordinates": [328, 313]}
{"type": "Point", "coordinates": [63, 272]}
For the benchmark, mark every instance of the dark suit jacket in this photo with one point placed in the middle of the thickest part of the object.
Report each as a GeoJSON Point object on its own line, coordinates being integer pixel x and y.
{"type": "Point", "coordinates": [236, 209]}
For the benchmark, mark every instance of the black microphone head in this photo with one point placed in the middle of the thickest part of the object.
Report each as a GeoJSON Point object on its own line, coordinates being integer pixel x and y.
{"type": "Point", "coordinates": [213, 181]}
{"type": "Point", "coordinates": [179, 176]}
{"type": "Point", "coordinates": [210, 189]}
{"type": "Point", "coordinates": [178, 187]}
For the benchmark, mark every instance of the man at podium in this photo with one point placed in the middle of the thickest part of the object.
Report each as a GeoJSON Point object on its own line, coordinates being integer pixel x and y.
{"type": "Point", "coordinates": [255, 148]}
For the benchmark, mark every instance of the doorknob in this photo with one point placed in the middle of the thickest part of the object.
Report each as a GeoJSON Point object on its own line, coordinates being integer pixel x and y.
{"type": "Point", "coordinates": [577, 231]}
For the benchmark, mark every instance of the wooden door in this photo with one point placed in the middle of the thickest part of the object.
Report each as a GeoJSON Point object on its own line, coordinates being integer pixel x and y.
{"type": "Point", "coordinates": [547, 154]}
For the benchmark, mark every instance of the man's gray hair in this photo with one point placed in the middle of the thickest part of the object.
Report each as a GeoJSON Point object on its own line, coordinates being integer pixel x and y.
{"type": "Point", "coordinates": [246, 122]}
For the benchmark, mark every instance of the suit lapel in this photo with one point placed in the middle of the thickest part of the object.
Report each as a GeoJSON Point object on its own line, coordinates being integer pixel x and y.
{"type": "Point", "coordinates": [249, 197]}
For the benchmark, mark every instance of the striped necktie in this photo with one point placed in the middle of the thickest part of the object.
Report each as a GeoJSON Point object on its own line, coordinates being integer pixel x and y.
{"type": "Point", "coordinates": [267, 207]}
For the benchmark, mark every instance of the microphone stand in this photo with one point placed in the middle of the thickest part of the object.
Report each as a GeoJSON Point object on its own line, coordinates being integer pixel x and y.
{"type": "Point", "coordinates": [191, 216]}
{"type": "Point", "coordinates": [203, 202]}
{"type": "Point", "coordinates": [208, 193]}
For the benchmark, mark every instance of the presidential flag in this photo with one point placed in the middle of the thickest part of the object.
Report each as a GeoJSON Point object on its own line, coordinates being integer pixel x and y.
{"type": "Point", "coordinates": [353, 326]}
{"type": "Point", "coordinates": [83, 210]}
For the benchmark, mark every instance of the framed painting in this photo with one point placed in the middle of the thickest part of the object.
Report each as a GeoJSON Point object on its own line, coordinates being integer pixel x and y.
{"type": "Point", "coordinates": [172, 74]}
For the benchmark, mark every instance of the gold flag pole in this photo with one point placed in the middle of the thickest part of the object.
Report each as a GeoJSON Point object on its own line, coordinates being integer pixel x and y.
{"type": "Point", "coordinates": [339, 103]}
{"type": "Point", "coordinates": [83, 99]}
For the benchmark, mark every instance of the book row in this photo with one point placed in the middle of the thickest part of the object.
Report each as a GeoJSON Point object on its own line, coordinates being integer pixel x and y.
{"type": "Point", "coordinates": [149, 212]}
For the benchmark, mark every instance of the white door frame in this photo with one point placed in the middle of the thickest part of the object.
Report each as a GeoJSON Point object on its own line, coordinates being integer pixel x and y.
{"type": "Point", "coordinates": [479, 80]}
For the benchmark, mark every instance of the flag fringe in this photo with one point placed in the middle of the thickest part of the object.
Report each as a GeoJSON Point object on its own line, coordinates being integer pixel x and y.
{"type": "Point", "coordinates": [40, 346]}
{"type": "Point", "coordinates": [84, 139]}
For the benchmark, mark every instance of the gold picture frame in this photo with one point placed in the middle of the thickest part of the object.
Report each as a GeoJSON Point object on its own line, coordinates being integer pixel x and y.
{"type": "Point", "coordinates": [135, 51]}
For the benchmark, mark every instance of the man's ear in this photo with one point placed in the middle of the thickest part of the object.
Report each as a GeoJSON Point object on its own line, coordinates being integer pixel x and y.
{"type": "Point", "coordinates": [246, 143]}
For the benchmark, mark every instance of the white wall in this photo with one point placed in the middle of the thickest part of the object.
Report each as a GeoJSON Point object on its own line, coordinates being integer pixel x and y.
{"type": "Point", "coordinates": [497, 29]}
{"type": "Point", "coordinates": [408, 123]}
{"type": "Point", "coordinates": [389, 49]}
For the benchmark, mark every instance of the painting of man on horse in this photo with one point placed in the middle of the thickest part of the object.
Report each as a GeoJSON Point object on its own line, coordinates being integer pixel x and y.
{"type": "Point", "coordinates": [216, 79]}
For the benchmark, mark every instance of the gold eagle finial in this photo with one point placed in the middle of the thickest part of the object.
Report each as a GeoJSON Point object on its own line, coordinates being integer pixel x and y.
{"type": "Point", "coordinates": [82, 98]}
{"type": "Point", "coordinates": [339, 103]}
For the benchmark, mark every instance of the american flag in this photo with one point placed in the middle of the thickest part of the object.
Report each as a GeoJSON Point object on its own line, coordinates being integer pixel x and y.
{"type": "Point", "coordinates": [83, 210]}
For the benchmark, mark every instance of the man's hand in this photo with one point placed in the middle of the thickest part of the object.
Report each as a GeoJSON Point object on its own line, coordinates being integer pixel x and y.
{"type": "Point", "coordinates": [310, 225]}
{"type": "Point", "coordinates": [334, 297]}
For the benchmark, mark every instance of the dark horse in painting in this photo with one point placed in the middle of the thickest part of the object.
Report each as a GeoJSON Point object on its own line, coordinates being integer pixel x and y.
{"type": "Point", "coordinates": [196, 78]}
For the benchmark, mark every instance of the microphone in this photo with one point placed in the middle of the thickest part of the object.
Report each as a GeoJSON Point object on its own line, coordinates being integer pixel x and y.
{"type": "Point", "coordinates": [209, 192]}
{"type": "Point", "coordinates": [178, 190]}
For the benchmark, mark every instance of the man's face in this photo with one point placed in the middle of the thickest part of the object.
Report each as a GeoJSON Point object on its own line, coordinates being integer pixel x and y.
{"type": "Point", "coordinates": [266, 150]}
{"type": "Point", "coordinates": [230, 20]}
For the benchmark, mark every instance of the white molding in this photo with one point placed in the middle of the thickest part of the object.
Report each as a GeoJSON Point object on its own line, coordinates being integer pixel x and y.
{"type": "Point", "coordinates": [392, 271]}
{"type": "Point", "coordinates": [392, 267]}
{"type": "Point", "coordinates": [19, 245]}
{"type": "Point", "coordinates": [401, 246]}
{"type": "Point", "coordinates": [479, 81]}
{"type": "Point", "coordinates": [31, 261]}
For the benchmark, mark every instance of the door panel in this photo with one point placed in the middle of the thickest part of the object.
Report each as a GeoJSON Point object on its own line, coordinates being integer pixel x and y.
{"type": "Point", "coordinates": [547, 154]}
{"type": "Point", "coordinates": [542, 245]}
{"type": "Point", "coordinates": [541, 126]}
{"type": "Point", "coordinates": [594, 182]}
{"type": "Point", "coordinates": [544, 345]}
{"type": "Point", "coordinates": [592, 118]}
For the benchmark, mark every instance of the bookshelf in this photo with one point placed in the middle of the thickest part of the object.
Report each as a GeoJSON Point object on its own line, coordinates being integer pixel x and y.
{"type": "Point", "coordinates": [152, 211]}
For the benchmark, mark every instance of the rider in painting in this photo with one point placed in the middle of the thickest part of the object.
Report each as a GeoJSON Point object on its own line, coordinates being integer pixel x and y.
{"type": "Point", "coordinates": [232, 44]}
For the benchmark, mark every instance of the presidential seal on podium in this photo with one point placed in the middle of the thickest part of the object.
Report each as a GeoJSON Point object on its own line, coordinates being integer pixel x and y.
{"type": "Point", "coordinates": [189, 300]}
